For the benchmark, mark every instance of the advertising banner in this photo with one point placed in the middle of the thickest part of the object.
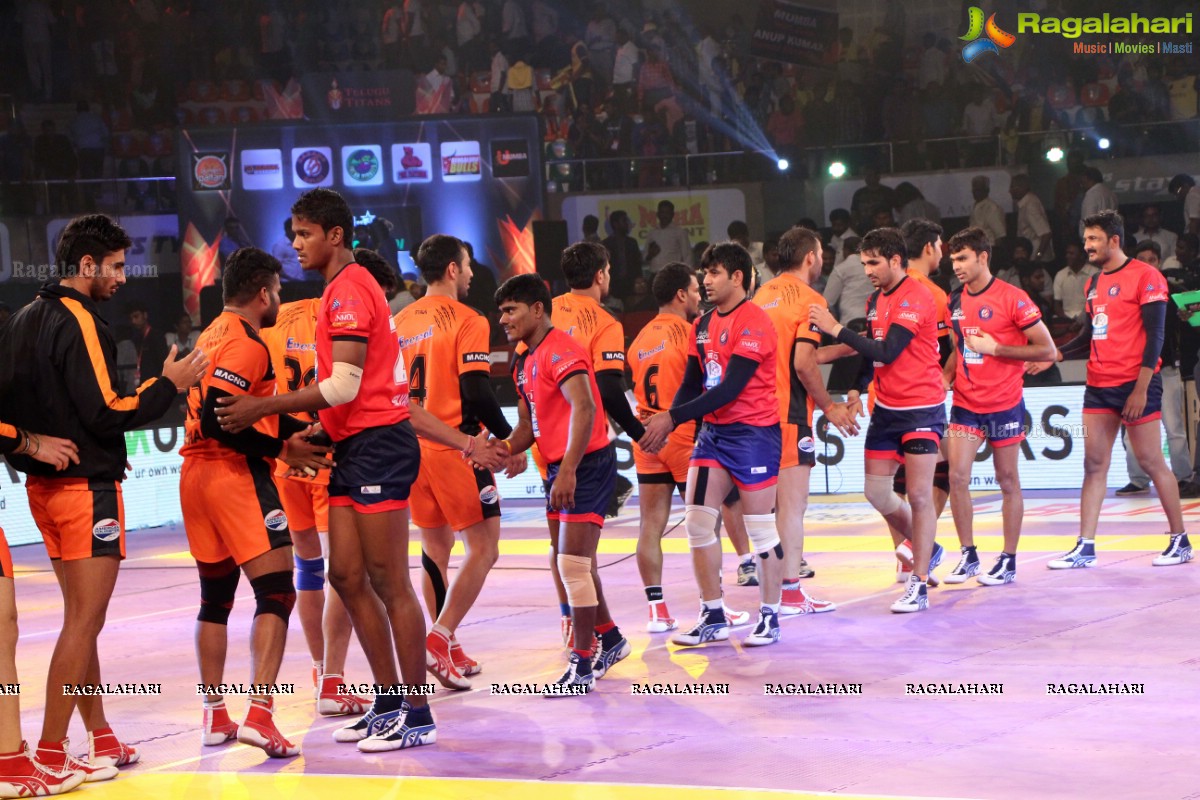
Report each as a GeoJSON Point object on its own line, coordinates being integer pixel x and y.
{"type": "Point", "coordinates": [704, 214]}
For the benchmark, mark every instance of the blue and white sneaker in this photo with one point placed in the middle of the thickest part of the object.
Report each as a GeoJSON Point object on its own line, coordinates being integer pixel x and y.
{"type": "Point", "coordinates": [915, 597]}
{"type": "Point", "coordinates": [574, 681]}
{"type": "Point", "coordinates": [747, 573]}
{"type": "Point", "coordinates": [904, 553]}
{"type": "Point", "coordinates": [1082, 555]}
{"type": "Point", "coordinates": [409, 728]}
{"type": "Point", "coordinates": [712, 626]}
{"type": "Point", "coordinates": [369, 724]}
{"type": "Point", "coordinates": [968, 566]}
{"type": "Point", "coordinates": [605, 657]}
{"type": "Point", "coordinates": [1179, 551]}
{"type": "Point", "coordinates": [1002, 572]}
{"type": "Point", "coordinates": [766, 631]}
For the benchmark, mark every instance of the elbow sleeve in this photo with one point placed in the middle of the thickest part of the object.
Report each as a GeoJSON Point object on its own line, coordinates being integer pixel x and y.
{"type": "Point", "coordinates": [342, 385]}
{"type": "Point", "coordinates": [1154, 319]}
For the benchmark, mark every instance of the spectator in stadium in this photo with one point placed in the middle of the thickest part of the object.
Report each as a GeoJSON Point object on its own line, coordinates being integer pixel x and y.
{"type": "Point", "coordinates": [1070, 285]}
{"type": "Point", "coordinates": [986, 213]}
{"type": "Point", "coordinates": [1183, 186]}
{"type": "Point", "coordinates": [624, 74]}
{"type": "Point", "coordinates": [513, 28]}
{"type": "Point", "coordinates": [90, 136]}
{"type": "Point", "coordinates": [590, 226]}
{"type": "Point", "coordinates": [911, 204]}
{"type": "Point", "coordinates": [655, 83]}
{"type": "Point", "coordinates": [668, 242]}
{"type": "Point", "coordinates": [141, 350]}
{"type": "Point", "coordinates": [468, 24]}
{"type": "Point", "coordinates": [979, 122]}
{"type": "Point", "coordinates": [519, 88]}
{"type": "Point", "coordinates": [435, 89]}
{"type": "Point", "coordinates": [869, 197]}
{"type": "Point", "coordinates": [848, 287]}
{"type": "Point", "coordinates": [1032, 223]}
{"type": "Point", "coordinates": [1151, 230]}
{"type": "Point", "coordinates": [1097, 197]}
{"type": "Point", "coordinates": [1068, 195]}
{"type": "Point", "coordinates": [184, 336]}
{"type": "Point", "coordinates": [839, 231]}
{"type": "Point", "coordinates": [601, 40]}
{"type": "Point", "coordinates": [499, 75]}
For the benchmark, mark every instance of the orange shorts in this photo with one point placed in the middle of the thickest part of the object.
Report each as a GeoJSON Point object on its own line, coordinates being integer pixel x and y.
{"type": "Point", "coordinates": [78, 518]}
{"type": "Point", "coordinates": [448, 491]}
{"type": "Point", "coordinates": [669, 465]}
{"type": "Point", "coordinates": [799, 447]}
{"type": "Point", "coordinates": [222, 502]}
{"type": "Point", "coordinates": [6, 567]}
{"type": "Point", "coordinates": [306, 503]}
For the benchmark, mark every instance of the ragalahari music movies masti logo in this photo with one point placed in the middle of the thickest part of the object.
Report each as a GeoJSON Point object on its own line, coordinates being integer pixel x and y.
{"type": "Point", "coordinates": [995, 37]}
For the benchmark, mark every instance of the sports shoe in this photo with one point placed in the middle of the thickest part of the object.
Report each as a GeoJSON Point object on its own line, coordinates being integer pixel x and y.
{"type": "Point", "coordinates": [904, 554]}
{"type": "Point", "coordinates": [660, 620]}
{"type": "Point", "coordinates": [967, 567]}
{"type": "Point", "coordinates": [410, 728]}
{"type": "Point", "coordinates": [805, 570]}
{"type": "Point", "coordinates": [21, 776]}
{"type": "Point", "coordinates": [577, 680]}
{"type": "Point", "coordinates": [258, 730]}
{"type": "Point", "coordinates": [465, 665]}
{"type": "Point", "coordinates": [1002, 572]}
{"type": "Point", "coordinates": [440, 664]}
{"type": "Point", "coordinates": [735, 617]}
{"type": "Point", "coordinates": [1179, 551]}
{"type": "Point", "coordinates": [1082, 555]}
{"type": "Point", "coordinates": [59, 760]}
{"type": "Point", "coordinates": [608, 655]}
{"type": "Point", "coordinates": [1131, 489]}
{"type": "Point", "coordinates": [902, 572]}
{"type": "Point", "coordinates": [1189, 490]}
{"type": "Point", "coordinates": [766, 631]}
{"type": "Point", "coordinates": [915, 597]}
{"type": "Point", "coordinates": [218, 727]}
{"type": "Point", "coordinates": [712, 626]}
{"type": "Point", "coordinates": [334, 701]}
{"type": "Point", "coordinates": [369, 724]}
{"type": "Point", "coordinates": [747, 573]}
{"type": "Point", "coordinates": [797, 601]}
{"type": "Point", "coordinates": [104, 750]}
{"type": "Point", "coordinates": [567, 628]}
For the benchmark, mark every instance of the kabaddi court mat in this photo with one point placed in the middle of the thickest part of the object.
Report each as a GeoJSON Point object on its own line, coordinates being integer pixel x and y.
{"type": "Point", "coordinates": [1123, 623]}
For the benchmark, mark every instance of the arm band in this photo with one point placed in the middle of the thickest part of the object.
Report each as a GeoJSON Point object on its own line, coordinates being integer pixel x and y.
{"type": "Point", "coordinates": [342, 386]}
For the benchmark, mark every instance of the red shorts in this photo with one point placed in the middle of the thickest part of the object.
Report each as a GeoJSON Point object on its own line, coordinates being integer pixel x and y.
{"type": "Point", "coordinates": [78, 518]}
{"type": "Point", "coordinates": [306, 503]}
{"type": "Point", "coordinates": [231, 509]}
{"type": "Point", "coordinates": [448, 491]}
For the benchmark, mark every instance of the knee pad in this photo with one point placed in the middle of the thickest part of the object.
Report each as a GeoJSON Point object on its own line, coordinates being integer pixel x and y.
{"type": "Point", "coordinates": [436, 581]}
{"type": "Point", "coordinates": [941, 476]}
{"type": "Point", "coordinates": [218, 585]}
{"type": "Point", "coordinates": [762, 533]}
{"type": "Point", "coordinates": [310, 574]}
{"type": "Point", "coordinates": [701, 524]}
{"type": "Point", "coordinates": [274, 594]}
{"type": "Point", "coordinates": [878, 489]}
{"type": "Point", "coordinates": [576, 574]}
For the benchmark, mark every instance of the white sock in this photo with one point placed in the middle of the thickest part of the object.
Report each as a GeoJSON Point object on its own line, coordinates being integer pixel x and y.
{"type": "Point", "coordinates": [712, 605]}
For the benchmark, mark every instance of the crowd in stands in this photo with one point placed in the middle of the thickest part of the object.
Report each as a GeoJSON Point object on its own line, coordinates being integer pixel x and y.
{"type": "Point", "coordinates": [618, 79]}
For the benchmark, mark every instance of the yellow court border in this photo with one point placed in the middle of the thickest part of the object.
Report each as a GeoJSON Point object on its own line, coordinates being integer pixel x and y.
{"type": "Point", "coordinates": [297, 786]}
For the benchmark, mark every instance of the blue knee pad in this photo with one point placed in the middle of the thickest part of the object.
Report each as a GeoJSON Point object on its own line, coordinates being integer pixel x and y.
{"type": "Point", "coordinates": [310, 574]}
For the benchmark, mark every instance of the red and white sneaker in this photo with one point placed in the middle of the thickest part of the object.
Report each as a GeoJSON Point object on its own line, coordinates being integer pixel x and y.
{"type": "Point", "coordinates": [218, 727]}
{"type": "Point", "coordinates": [463, 662]}
{"type": "Point", "coordinates": [736, 617]}
{"type": "Point", "coordinates": [104, 750]}
{"type": "Point", "coordinates": [334, 701]}
{"type": "Point", "coordinates": [21, 776]}
{"type": "Point", "coordinates": [660, 620]}
{"type": "Point", "coordinates": [258, 729]}
{"type": "Point", "coordinates": [796, 601]}
{"type": "Point", "coordinates": [440, 664]}
{"type": "Point", "coordinates": [57, 758]}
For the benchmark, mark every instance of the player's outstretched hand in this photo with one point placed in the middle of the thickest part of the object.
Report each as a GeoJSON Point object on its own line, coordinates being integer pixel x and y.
{"type": "Point", "coordinates": [58, 453]}
{"type": "Point", "coordinates": [516, 464]}
{"type": "Point", "coordinates": [658, 427]}
{"type": "Point", "coordinates": [819, 315]}
{"type": "Point", "coordinates": [187, 371]}
{"type": "Point", "coordinates": [1038, 367]}
{"type": "Point", "coordinates": [239, 412]}
{"type": "Point", "coordinates": [562, 493]}
{"type": "Point", "coordinates": [487, 453]}
{"type": "Point", "coordinates": [981, 343]}
{"type": "Point", "coordinates": [305, 455]}
{"type": "Point", "coordinates": [842, 417]}
{"type": "Point", "coordinates": [1135, 405]}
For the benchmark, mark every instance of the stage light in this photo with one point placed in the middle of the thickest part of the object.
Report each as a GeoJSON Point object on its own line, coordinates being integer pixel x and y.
{"type": "Point", "coordinates": [837, 169]}
{"type": "Point", "coordinates": [782, 164]}
{"type": "Point", "coordinates": [1104, 143]}
{"type": "Point", "coordinates": [1054, 155]}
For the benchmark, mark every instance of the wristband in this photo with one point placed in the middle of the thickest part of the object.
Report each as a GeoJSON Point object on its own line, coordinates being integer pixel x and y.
{"type": "Point", "coordinates": [507, 444]}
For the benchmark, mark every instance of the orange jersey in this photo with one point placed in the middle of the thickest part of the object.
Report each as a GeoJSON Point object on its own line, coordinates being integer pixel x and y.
{"type": "Point", "coordinates": [596, 330]}
{"type": "Point", "coordinates": [443, 339]}
{"type": "Point", "coordinates": [786, 299]}
{"type": "Point", "coordinates": [941, 300]}
{"type": "Point", "coordinates": [239, 364]}
{"type": "Point", "coordinates": [658, 357]}
{"type": "Point", "coordinates": [292, 343]}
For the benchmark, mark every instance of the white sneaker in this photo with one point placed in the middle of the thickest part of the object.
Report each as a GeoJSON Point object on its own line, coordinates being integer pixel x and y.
{"type": "Point", "coordinates": [1179, 551]}
{"type": "Point", "coordinates": [915, 597]}
{"type": "Point", "coordinates": [968, 567]}
{"type": "Point", "coordinates": [1081, 556]}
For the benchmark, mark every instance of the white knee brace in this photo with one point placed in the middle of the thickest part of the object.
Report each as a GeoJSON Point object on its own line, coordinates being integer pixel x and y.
{"type": "Point", "coordinates": [878, 489]}
{"type": "Point", "coordinates": [761, 530]}
{"type": "Point", "coordinates": [576, 574]}
{"type": "Point", "coordinates": [701, 523]}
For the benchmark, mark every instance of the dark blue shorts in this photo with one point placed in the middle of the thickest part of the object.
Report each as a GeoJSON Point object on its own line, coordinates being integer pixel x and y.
{"type": "Point", "coordinates": [595, 484]}
{"type": "Point", "coordinates": [375, 469]}
{"type": "Point", "coordinates": [998, 427]}
{"type": "Point", "coordinates": [1111, 400]}
{"type": "Point", "coordinates": [749, 453]}
{"type": "Point", "coordinates": [893, 433]}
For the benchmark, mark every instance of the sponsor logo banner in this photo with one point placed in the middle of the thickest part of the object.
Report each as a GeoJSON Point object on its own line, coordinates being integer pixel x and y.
{"type": "Point", "coordinates": [262, 169]}
{"type": "Point", "coordinates": [510, 158]}
{"type": "Point", "coordinates": [362, 165]}
{"type": "Point", "coordinates": [312, 167]}
{"type": "Point", "coordinates": [412, 163]}
{"type": "Point", "coordinates": [461, 162]}
{"type": "Point", "coordinates": [210, 171]}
